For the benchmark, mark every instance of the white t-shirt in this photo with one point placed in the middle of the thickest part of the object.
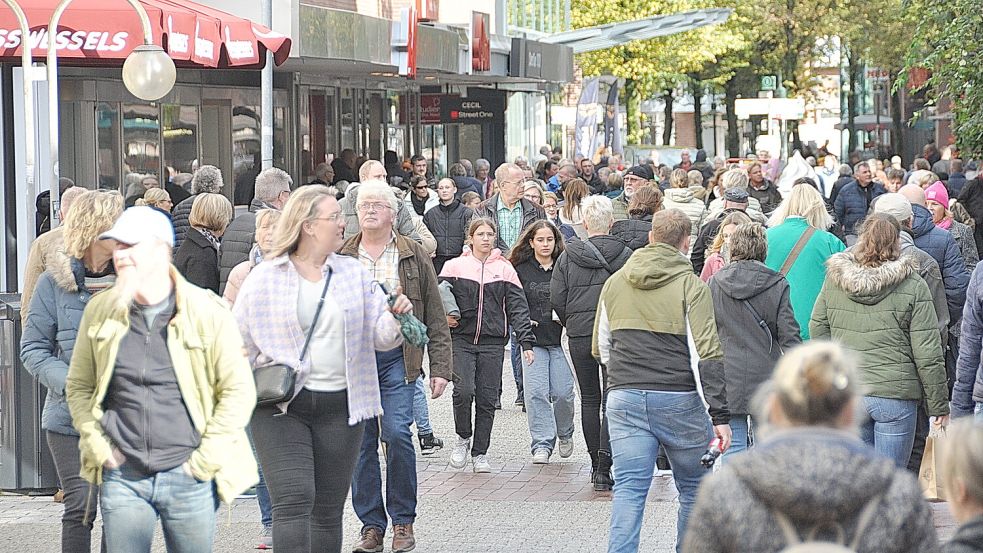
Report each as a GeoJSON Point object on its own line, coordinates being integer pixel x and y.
{"type": "Point", "coordinates": [327, 349]}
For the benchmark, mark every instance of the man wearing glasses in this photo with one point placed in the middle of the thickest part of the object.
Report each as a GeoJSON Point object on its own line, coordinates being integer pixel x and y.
{"type": "Point", "coordinates": [511, 212]}
{"type": "Point", "coordinates": [635, 178]}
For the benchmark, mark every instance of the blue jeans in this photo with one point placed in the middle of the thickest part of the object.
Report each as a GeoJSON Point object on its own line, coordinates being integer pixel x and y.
{"type": "Point", "coordinates": [639, 421]}
{"type": "Point", "coordinates": [131, 503]}
{"type": "Point", "coordinates": [740, 426]}
{"type": "Point", "coordinates": [397, 445]}
{"type": "Point", "coordinates": [548, 385]}
{"type": "Point", "coordinates": [890, 427]}
{"type": "Point", "coordinates": [978, 412]}
{"type": "Point", "coordinates": [421, 413]}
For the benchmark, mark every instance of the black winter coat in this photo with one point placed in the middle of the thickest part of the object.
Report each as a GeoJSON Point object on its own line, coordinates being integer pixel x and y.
{"type": "Point", "coordinates": [633, 232]}
{"type": "Point", "coordinates": [750, 351]}
{"type": "Point", "coordinates": [971, 197]}
{"type": "Point", "coordinates": [578, 276]}
{"type": "Point", "coordinates": [197, 261]}
{"type": "Point", "coordinates": [449, 224]}
{"type": "Point", "coordinates": [179, 218]}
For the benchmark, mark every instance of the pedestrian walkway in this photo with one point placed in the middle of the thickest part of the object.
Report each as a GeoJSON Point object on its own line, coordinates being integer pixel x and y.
{"type": "Point", "coordinates": [518, 507]}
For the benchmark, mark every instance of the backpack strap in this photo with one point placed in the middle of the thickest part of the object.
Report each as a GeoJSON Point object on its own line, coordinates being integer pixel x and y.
{"type": "Point", "coordinates": [788, 529]}
{"type": "Point", "coordinates": [866, 516]}
{"type": "Point", "coordinates": [863, 521]}
{"type": "Point", "coordinates": [800, 244]}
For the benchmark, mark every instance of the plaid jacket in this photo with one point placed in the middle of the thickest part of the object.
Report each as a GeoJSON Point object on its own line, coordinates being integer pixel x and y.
{"type": "Point", "coordinates": [266, 309]}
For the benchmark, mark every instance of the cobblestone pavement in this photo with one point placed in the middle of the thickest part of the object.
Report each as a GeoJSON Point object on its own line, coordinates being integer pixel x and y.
{"type": "Point", "coordinates": [518, 507]}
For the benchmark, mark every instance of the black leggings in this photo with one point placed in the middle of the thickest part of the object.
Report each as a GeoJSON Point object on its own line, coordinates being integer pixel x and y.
{"type": "Point", "coordinates": [81, 497]}
{"type": "Point", "coordinates": [308, 456]}
{"type": "Point", "coordinates": [591, 379]}
{"type": "Point", "coordinates": [477, 382]}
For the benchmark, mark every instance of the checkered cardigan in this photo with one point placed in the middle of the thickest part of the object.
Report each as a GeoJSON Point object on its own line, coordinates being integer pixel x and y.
{"type": "Point", "coordinates": [266, 309]}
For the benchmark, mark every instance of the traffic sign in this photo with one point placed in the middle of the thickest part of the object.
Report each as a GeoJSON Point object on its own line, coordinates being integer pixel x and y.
{"type": "Point", "coordinates": [769, 82]}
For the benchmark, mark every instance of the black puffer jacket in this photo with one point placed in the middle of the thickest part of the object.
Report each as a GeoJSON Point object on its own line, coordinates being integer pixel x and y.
{"type": "Point", "coordinates": [238, 240]}
{"type": "Point", "coordinates": [179, 219]}
{"type": "Point", "coordinates": [633, 232]}
{"type": "Point", "coordinates": [578, 277]}
{"type": "Point", "coordinates": [750, 351]}
{"type": "Point", "coordinates": [197, 261]}
{"type": "Point", "coordinates": [448, 224]}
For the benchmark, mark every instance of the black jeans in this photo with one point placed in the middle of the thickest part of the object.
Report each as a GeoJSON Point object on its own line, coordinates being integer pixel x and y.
{"type": "Point", "coordinates": [308, 456]}
{"type": "Point", "coordinates": [591, 379]}
{"type": "Point", "coordinates": [477, 380]}
{"type": "Point", "coordinates": [81, 498]}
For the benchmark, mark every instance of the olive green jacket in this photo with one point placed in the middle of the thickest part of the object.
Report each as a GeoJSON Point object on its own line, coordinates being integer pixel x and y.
{"type": "Point", "coordinates": [212, 372]}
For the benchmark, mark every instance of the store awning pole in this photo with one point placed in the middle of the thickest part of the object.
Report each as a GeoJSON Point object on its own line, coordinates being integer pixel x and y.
{"type": "Point", "coordinates": [266, 141]}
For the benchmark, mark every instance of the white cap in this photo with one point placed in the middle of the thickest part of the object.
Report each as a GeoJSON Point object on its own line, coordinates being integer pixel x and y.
{"type": "Point", "coordinates": [139, 224]}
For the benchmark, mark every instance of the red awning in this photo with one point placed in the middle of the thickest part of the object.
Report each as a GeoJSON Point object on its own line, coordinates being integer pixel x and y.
{"type": "Point", "coordinates": [104, 32]}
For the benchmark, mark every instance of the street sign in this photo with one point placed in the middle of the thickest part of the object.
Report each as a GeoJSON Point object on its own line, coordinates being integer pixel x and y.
{"type": "Point", "coordinates": [776, 108]}
{"type": "Point", "coordinates": [769, 82]}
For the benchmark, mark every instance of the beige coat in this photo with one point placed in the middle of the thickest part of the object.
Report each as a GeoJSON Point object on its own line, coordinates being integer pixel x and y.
{"type": "Point", "coordinates": [42, 252]}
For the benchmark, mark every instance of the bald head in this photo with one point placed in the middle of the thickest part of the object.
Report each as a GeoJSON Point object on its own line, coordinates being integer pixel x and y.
{"type": "Point", "coordinates": [914, 194]}
{"type": "Point", "coordinates": [372, 170]}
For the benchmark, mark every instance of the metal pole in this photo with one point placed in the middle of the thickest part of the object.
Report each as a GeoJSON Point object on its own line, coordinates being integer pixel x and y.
{"type": "Point", "coordinates": [266, 89]}
{"type": "Point", "coordinates": [52, 61]}
{"type": "Point", "coordinates": [26, 61]}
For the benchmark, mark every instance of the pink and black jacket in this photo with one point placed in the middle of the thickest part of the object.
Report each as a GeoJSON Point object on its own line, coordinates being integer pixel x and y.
{"type": "Point", "coordinates": [490, 298]}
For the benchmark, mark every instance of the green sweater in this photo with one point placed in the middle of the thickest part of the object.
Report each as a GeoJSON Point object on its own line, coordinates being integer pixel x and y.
{"type": "Point", "coordinates": [806, 277]}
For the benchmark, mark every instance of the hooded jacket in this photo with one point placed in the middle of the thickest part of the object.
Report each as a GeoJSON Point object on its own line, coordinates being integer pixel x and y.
{"type": "Point", "coordinates": [769, 197]}
{"type": "Point", "coordinates": [753, 341]}
{"type": "Point", "coordinates": [941, 245]}
{"type": "Point", "coordinates": [967, 539]}
{"type": "Point", "coordinates": [811, 475]}
{"type": "Point", "coordinates": [968, 388]}
{"type": "Point", "coordinates": [490, 298]}
{"type": "Point", "coordinates": [578, 276]}
{"type": "Point", "coordinates": [649, 316]}
{"type": "Point", "coordinates": [684, 200]}
{"type": "Point", "coordinates": [633, 232]}
{"type": "Point", "coordinates": [928, 269]}
{"type": "Point", "coordinates": [886, 315]}
{"type": "Point", "coordinates": [851, 204]}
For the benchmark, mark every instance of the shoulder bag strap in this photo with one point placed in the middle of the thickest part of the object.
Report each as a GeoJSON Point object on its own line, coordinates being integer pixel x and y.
{"type": "Point", "coordinates": [317, 313]}
{"type": "Point", "coordinates": [760, 321]}
{"type": "Point", "coordinates": [796, 250]}
{"type": "Point", "coordinates": [597, 253]}
{"type": "Point", "coordinates": [866, 516]}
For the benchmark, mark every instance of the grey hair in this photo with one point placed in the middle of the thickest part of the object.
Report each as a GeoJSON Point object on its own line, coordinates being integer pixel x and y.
{"type": "Point", "coordinates": [749, 243]}
{"type": "Point", "coordinates": [482, 163]}
{"type": "Point", "coordinates": [207, 179]}
{"type": "Point", "coordinates": [845, 170]}
{"type": "Point", "coordinates": [734, 178]}
{"type": "Point", "coordinates": [377, 189]}
{"type": "Point", "coordinates": [457, 170]}
{"type": "Point", "coordinates": [271, 183]}
{"type": "Point", "coordinates": [597, 213]}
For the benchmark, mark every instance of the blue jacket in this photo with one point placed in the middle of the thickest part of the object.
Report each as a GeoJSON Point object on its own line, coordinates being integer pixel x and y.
{"type": "Point", "coordinates": [968, 388]}
{"type": "Point", "coordinates": [956, 183]}
{"type": "Point", "coordinates": [851, 204]}
{"type": "Point", "coordinates": [940, 244]}
{"type": "Point", "coordinates": [48, 338]}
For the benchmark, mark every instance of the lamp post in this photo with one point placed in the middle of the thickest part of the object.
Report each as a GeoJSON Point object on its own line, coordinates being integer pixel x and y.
{"type": "Point", "coordinates": [148, 73]}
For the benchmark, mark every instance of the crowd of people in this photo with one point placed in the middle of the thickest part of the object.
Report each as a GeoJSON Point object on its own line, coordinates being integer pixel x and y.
{"type": "Point", "coordinates": [814, 332]}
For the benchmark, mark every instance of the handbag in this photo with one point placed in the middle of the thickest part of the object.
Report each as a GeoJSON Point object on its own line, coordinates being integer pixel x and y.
{"type": "Point", "coordinates": [928, 473]}
{"type": "Point", "coordinates": [276, 383]}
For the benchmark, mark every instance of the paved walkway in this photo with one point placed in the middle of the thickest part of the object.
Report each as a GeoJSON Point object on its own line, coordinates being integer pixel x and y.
{"type": "Point", "coordinates": [519, 507]}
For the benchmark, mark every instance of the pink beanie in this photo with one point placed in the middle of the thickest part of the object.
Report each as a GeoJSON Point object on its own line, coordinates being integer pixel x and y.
{"type": "Point", "coordinates": [938, 194]}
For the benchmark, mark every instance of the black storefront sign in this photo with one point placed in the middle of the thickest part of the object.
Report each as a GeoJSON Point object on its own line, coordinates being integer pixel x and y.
{"type": "Point", "coordinates": [473, 110]}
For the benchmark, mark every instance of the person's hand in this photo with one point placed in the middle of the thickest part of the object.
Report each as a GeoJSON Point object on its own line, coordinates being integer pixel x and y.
{"type": "Point", "coordinates": [723, 432]}
{"type": "Point", "coordinates": [402, 304]}
{"type": "Point", "coordinates": [940, 422]}
{"type": "Point", "coordinates": [437, 386]}
{"type": "Point", "coordinates": [115, 460]}
{"type": "Point", "coordinates": [452, 322]}
{"type": "Point", "coordinates": [529, 356]}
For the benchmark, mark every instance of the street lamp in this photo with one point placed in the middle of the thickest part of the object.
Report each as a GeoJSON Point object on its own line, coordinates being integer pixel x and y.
{"type": "Point", "coordinates": [148, 73]}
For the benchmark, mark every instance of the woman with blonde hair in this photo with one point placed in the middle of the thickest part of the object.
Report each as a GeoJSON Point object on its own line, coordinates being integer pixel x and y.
{"type": "Point", "coordinates": [306, 293]}
{"type": "Point", "coordinates": [82, 269]}
{"type": "Point", "coordinates": [266, 220]}
{"type": "Point", "coordinates": [197, 257]}
{"type": "Point", "coordinates": [157, 198]}
{"type": "Point", "coordinates": [696, 184]}
{"type": "Point", "coordinates": [809, 477]}
{"type": "Point", "coordinates": [798, 247]}
{"type": "Point", "coordinates": [533, 192]}
{"type": "Point", "coordinates": [720, 248]}
{"type": "Point", "coordinates": [875, 303]}
{"type": "Point", "coordinates": [680, 196]}
{"type": "Point", "coordinates": [962, 476]}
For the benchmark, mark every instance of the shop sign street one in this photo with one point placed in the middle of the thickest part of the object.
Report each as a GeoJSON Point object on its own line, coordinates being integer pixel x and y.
{"type": "Point", "coordinates": [472, 110]}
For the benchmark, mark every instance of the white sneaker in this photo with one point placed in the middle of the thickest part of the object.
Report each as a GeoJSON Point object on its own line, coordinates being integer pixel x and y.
{"type": "Point", "coordinates": [459, 455]}
{"type": "Point", "coordinates": [481, 463]}
{"type": "Point", "coordinates": [541, 456]}
{"type": "Point", "coordinates": [566, 447]}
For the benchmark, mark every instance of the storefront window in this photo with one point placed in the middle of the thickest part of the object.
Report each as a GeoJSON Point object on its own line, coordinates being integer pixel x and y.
{"type": "Point", "coordinates": [180, 138]}
{"type": "Point", "coordinates": [107, 145]}
{"type": "Point", "coordinates": [246, 150]}
{"type": "Point", "coordinates": [435, 149]}
{"type": "Point", "coordinates": [141, 143]}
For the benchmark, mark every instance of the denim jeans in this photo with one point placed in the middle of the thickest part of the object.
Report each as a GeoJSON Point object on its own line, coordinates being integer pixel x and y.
{"type": "Point", "coordinates": [741, 426]}
{"type": "Point", "coordinates": [397, 445]}
{"type": "Point", "coordinates": [890, 427]}
{"type": "Point", "coordinates": [477, 382]}
{"type": "Point", "coordinates": [81, 497]}
{"type": "Point", "coordinates": [549, 397]}
{"type": "Point", "coordinates": [132, 502]}
{"type": "Point", "coordinates": [421, 412]}
{"type": "Point", "coordinates": [978, 412]}
{"type": "Point", "coordinates": [262, 492]}
{"type": "Point", "coordinates": [639, 422]}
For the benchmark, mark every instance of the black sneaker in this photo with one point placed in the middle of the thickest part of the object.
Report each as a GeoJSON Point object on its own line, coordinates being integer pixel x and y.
{"type": "Point", "coordinates": [430, 444]}
{"type": "Point", "coordinates": [520, 401]}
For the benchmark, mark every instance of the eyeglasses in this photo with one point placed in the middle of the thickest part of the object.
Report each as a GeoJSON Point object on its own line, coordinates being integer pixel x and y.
{"type": "Point", "coordinates": [333, 217]}
{"type": "Point", "coordinates": [373, 206]}
{"type": "Point", "coordinates": [420, 187]}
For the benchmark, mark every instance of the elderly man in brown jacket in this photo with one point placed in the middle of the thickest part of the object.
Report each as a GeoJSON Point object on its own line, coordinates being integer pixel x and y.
{"type": "Point", "coordinates": [400, 264]}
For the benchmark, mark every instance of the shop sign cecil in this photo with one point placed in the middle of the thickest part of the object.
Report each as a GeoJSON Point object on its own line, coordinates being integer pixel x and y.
{"type": "Point", "coordinates": [472, 110]}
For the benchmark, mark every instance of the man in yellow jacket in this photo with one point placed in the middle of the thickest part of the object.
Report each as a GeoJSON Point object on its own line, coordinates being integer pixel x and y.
{"type": "Point", "coordinates": [160, 391]}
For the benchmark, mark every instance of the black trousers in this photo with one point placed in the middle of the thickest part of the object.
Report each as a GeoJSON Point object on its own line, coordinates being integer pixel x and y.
{"type": "Point", "coordinates": [81, 498]}
{"type": "Point", "coordinates": [308, 456]}
{"type": "Point", "coordinates": [477, 382]}
{"type": "Point", "coordinates": [591, 379]}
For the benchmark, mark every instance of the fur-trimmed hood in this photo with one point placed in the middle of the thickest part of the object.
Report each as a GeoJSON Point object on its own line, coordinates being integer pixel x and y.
{"type": "Point", "coordinates": [67, 272]}
{"type": "Point", "coordinates": [867, 285]}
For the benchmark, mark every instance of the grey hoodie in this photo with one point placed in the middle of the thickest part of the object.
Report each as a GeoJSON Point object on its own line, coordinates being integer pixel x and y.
{"type": "Point", "coordinates": [812, 475]}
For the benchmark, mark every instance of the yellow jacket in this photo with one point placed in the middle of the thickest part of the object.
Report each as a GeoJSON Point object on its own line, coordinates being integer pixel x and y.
{"type": "Point", "coordinates": [213, 374]}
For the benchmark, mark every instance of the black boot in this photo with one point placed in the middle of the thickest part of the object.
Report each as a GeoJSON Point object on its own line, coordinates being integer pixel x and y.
{"type": "Point", "coordinates": [430, 444]}
{"type": "Point", "coordinates": [602, 476]}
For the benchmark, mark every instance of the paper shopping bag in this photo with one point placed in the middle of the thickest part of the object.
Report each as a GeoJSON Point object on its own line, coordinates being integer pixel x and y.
{"type": "Point", "coordinates": [928, 473]}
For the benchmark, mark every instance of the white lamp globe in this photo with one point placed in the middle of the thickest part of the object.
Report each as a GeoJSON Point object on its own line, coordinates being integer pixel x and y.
{"type": "Point", "coordinates": [148, 72]}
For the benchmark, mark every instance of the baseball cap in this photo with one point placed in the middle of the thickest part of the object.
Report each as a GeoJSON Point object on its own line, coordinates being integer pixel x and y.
{"type": "Point", "coordinates": [736, 195]}
{"type": "Point", "coordinates": [140, 224]}
{"type": "Point", "coordinates": [640, 171]}
{"type": "Point", "coordinates": [895, 205]}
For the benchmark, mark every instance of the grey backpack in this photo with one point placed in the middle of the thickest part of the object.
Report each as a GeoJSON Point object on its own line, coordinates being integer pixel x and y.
{"type": "Point", "coordinates": [795, 543]}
